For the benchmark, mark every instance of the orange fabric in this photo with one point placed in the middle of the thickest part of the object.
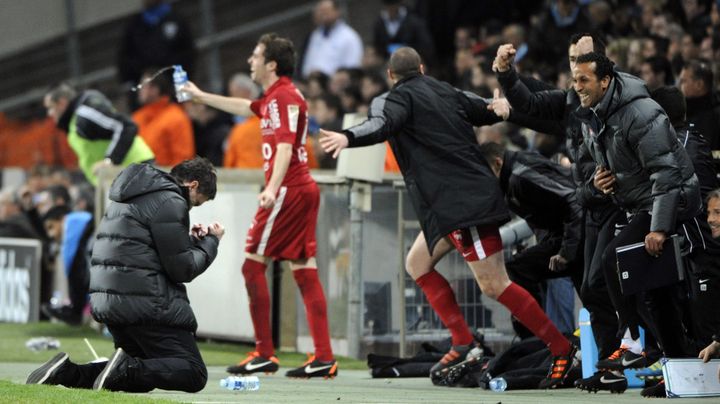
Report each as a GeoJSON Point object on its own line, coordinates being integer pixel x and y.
{"type": "Point", "coordinates": [244, 147]}
{"type": "Point", "coordinates": [312, 162]}
{"type": "Point", "coordinates": [166, 128]}
{"type": "Point", "coordinates": [38, 142]}
{"type": "Point", "coordinates": [391, 165]}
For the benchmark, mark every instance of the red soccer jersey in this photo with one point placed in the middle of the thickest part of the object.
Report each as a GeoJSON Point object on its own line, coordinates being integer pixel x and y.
{"type": "Point", "coordinates": [283, 119]}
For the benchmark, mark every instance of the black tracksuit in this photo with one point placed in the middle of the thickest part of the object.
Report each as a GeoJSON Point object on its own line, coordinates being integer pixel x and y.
{"type": "Point", "coordinates": [429, 125]}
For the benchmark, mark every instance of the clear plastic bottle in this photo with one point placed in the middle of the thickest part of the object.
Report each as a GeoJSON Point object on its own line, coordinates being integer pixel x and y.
{"type": "Point", "coordinates": [241, 383]}
{"type": "Point", "coordinates": [498, 384]}
{"type": "Point", "coordinates": [179, 79]}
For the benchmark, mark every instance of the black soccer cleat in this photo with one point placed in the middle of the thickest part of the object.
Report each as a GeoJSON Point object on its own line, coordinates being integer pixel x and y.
{"type": "Point", "coordinates": [623, 359]}
{"type": "Point", "coordinates": [456, 355]}
{"type": "Point", "coordinates": [314, 368]}
{"type": "Point", "coordinates": [559, 369]}
{"type": "Point", "coordinates": [603, 380]}
{"type": "Point", "coordinates": [254, 363]}
{"type": "Point", "coordinates": [51, 371]}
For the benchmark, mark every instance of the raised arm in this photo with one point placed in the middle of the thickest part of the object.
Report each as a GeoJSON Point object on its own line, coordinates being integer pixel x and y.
{"type": "Point", "coordinates": [233, 105]}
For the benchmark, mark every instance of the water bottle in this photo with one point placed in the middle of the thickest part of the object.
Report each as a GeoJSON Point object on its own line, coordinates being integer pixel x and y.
{"type": "Point", "coordinates": [241, 383]}
{"type": "Point", "coordinates": [498, 384]}
{"type": "Point", "coordinates": [179, 79]}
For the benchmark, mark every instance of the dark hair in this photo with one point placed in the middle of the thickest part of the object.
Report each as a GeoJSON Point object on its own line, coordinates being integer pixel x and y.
{"type": "Point", "coordinates": [281, 51]}
{"type": "Point", "coordinates": [715, 193]}
{"type": "Point", "coordinates": [491, 150]}
{"type": "Point", "coordinates": [603, 65]}
{"type": "Point", "coordinates": [59, 191]}
{"type": "Point", "coordinates": [660, 64]}
{"type": "Point", "coordinates": [405, 62]}
{"type": "Point", "coordinates": [61, 90]}
{"type": "Point", "coordinates": [332, 101]}
{"type": "Point", "coordinates": [163, 82]}
{"type": "Point", "coordinates": [701, 70]}
{"type": "Point", "coordinates": [198, 169]}
{"type": "Point", "coordinates": [56, 213]}
{"type": "Point", "coordinates": [671, 99]}
{"type": "Point", "coordinates": [598, 43]}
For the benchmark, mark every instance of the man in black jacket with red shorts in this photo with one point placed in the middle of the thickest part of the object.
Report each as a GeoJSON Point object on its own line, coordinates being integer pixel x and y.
{"type": "Point", "coordinates": [456, 197]}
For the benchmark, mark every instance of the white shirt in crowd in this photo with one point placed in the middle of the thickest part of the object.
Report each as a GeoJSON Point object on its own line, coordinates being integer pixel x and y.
{"type": "Point", "coordinates": [329, 51]}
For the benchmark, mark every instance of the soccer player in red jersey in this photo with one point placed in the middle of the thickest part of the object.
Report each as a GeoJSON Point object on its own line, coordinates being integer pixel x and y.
{"type": "Point", "coordinates": [284, 225]}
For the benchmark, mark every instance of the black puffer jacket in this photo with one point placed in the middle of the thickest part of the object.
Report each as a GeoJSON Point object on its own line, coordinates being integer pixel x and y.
{"type": "Point", "coordinates": [143, 253]}
{"type": "Point", "coordinates": [429, 125]}
{"type": "Point", "coordinates": [631, 135]}
{"type": "Point", "coordinates": [543, 193]}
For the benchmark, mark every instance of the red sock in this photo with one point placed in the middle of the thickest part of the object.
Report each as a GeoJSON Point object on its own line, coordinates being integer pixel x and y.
{"type": "Point", "coordinates": [316, 311]}
{"type": "Point", "coordinates": [442, 299]}
{"type": "Point", "coordinates": [259, 296]}
{"type": "Point", "coordinates": [524, 307]}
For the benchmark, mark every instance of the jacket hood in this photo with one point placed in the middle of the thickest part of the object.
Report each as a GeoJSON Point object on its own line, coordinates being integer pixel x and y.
{"type": "Point", "coordinates": [141, 179]}
{"type": "Point", "coordinates": [624, 89]}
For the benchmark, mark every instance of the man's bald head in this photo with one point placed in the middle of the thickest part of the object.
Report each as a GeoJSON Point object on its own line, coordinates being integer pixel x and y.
{"type": "Point", "coordinates": [405, 62]}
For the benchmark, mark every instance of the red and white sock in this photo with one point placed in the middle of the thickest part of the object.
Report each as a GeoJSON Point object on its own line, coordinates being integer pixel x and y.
{"type": "Point", "coordinates": [259, 296]}
{"type": "Point", "coordinates": [442, 299]}
{"type": "Point", "coordinates": [526, 309]}
{"type": "Point", "coordinates": [316, 311]}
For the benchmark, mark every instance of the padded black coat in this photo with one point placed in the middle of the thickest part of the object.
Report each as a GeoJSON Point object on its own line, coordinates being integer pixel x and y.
{"type": "Point", "coordinates": [429, 125]}
{"type": "Point", "coordinates": [143, 253]}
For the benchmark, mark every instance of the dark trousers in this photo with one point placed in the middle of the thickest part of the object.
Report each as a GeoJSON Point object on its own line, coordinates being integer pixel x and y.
{"type": "Point", "coordinates": [659, 310]}
{"type": "Point", "coordinates": [529, 268]}
{"type": "Point", "coordinates": [600, 224]}
{"type": "Point", "coordinates": [165, 358]}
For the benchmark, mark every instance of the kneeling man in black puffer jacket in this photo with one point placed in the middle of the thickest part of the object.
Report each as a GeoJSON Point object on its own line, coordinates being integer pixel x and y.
{"type": "Point", "coordinates": [141, 258]}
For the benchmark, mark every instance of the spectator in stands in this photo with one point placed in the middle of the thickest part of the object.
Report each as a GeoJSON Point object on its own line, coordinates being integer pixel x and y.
{"type": "Point", "coordinates": [554, 28]}
{"type": "Point", "coordinates": [244, 146]}
{"type": "Point", "coordinates": [656, 71]}
{"type": "Point", "coordinates": [72, 231]}
{"type": "Point", "coordinates": [162, 123]}
{"type": "Point", "coordinates": [52, 196]}
{"type": "Point", "coordinates": [372, 84]}
{"type": "Point", "coordinates": [13, 223]}
{"type": "Point", "coordinates": [542, 193]}
{"type": "Point", "coordinates": [211, 129]}
{"type": "Point", "coordinates": [155, 37]}
{"type": "Point", "coordinates": [97, 133]}
{"type": "Point", "coordinates": [325, 112]}
{"type": "Point", "coordinates": [396, 26]}
{"type": "Point", "coordinates": [332, 44]}
{"type": "Point", "coordinates": [703, 103]}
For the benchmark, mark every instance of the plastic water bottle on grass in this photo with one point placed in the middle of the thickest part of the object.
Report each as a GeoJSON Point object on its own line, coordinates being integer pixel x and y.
{"type": "Point", "coordinates": [241, 383]}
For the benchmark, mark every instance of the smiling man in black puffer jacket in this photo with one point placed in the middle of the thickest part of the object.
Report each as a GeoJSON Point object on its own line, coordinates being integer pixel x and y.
{"type": "Point", "coordinates": [141, 258]}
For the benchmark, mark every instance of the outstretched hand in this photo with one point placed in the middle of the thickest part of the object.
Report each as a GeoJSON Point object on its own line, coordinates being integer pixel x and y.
{"type": "Point", "coordinates": [499, 105]}
{"type": "Point", "coordinates": [333, 142]}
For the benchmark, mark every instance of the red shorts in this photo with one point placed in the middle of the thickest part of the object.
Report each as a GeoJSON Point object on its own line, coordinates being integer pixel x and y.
{"type": "Point", "coordinates": [477, 242]}
{"type": "Point", "coordinates": [287, 230]}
